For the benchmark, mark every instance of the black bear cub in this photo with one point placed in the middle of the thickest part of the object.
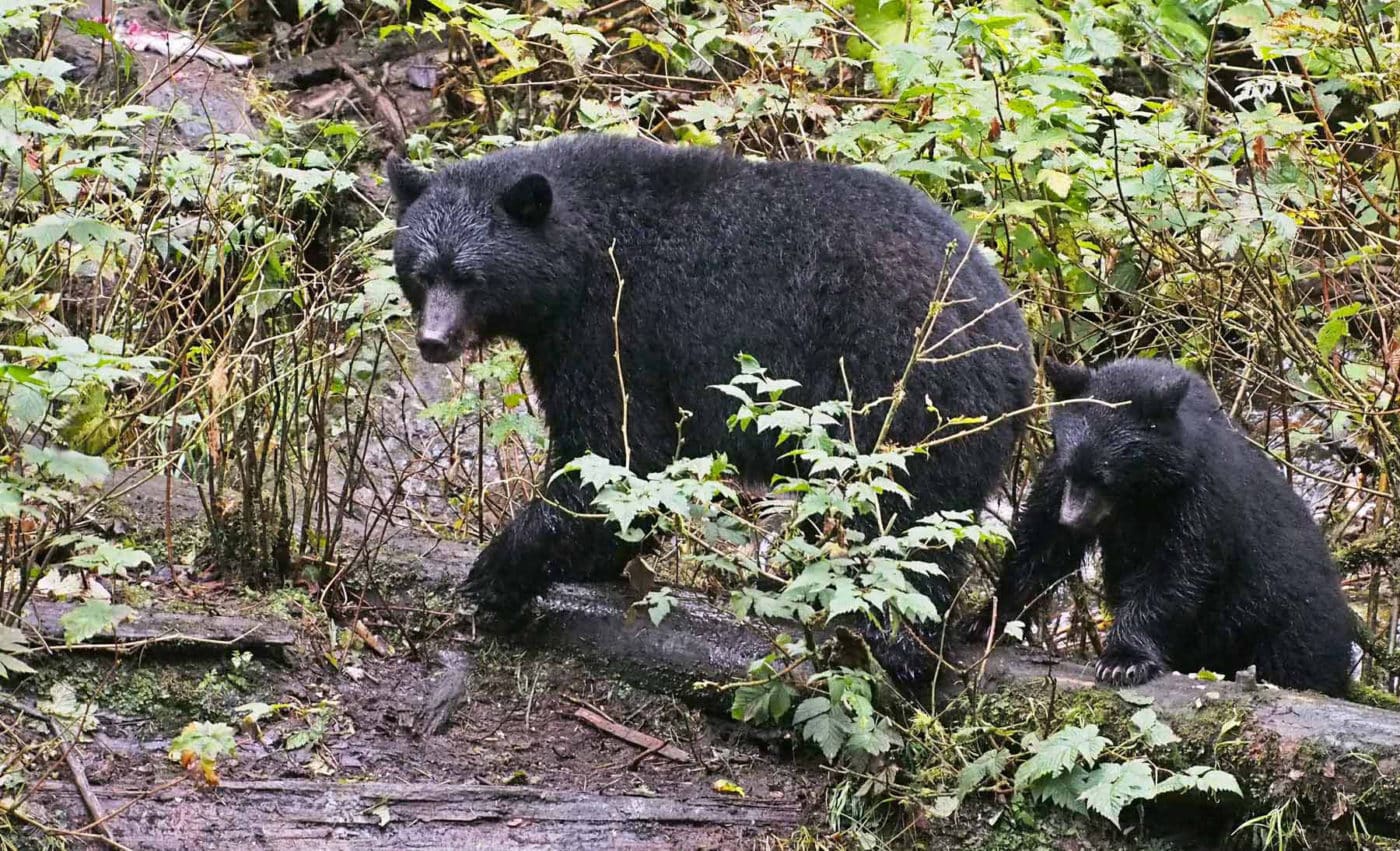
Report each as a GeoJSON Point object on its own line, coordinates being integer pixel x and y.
{"type": "Point", "coordinates": [1210, 560]}
{"type": "Point", "coordinates": [802, 265]}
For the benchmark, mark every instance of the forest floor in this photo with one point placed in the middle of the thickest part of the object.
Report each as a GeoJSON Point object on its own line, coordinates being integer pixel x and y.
{"type": "Point", "coordinates": [327, 756]}
{"type": "Point", "coordinates": [517, 766]}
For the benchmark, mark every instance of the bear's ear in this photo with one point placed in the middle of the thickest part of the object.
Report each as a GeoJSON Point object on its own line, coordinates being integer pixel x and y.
{"type": "Point", "coordinates": [406, 180]}
{"type": "Point", "coordinates": [1067, 380]}
{"type": "Point", "coordinates": [1161, 401]}
{"type": "Point", "coordinates": [528, 200]}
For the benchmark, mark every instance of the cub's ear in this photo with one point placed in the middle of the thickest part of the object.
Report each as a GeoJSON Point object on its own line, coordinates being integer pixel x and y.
{"type": "Point", "coordinates": [1067, 380]}
{"type": "Point", "coordinates": [528, 200]}
{"type": "Point", "coordinates": [1163, 398]}
{"type": "Point", "coordinates": [406, 180]}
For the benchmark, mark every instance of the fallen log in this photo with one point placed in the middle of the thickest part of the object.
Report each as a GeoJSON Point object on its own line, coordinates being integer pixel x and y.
{"type": "Point", "coordinates": [304, 814]}
{"type": "Point", "coordinates": [1328, 757]}
{"type": "Point", "coordinates": [154, 627]}
{"type": "Point", "coordinates": [324, 65]}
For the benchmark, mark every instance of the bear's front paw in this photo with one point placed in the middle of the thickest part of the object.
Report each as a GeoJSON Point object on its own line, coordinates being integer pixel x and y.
{"type": "Point", "coordinates": [492, 600]}
{"type": "Point", "coordinates": [1122, 667]}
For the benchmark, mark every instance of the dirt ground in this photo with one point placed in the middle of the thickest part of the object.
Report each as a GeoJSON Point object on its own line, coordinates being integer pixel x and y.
{"type": "Point", "coordinates": [516, 729]}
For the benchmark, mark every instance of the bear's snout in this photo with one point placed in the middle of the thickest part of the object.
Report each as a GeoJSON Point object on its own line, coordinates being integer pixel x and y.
{"type": "Point", "coordinates": [442, 331]}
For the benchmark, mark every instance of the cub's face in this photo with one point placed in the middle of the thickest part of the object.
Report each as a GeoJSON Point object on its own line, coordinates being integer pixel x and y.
{"type": "Point", "coordinates": [468, 255]}
{"type": "Point", "coordinates": [1124, 444]}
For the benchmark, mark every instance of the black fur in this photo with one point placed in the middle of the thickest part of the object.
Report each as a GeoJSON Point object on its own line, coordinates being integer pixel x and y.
{"type": "Point", "coordinates": [797, 264]}
{"type": "Point", "coordinates": [1210, 560]}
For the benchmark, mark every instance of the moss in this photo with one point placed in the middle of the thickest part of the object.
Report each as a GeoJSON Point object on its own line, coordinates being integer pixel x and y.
{"type": "Point", "coordinates": [169, 694]}
{"type": "Point", "coordinates": [1368, 696]}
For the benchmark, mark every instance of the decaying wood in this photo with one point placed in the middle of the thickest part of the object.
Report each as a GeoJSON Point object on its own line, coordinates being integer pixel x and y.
{"type": "Point", "coordinates": [166, 627]}
{"type": "Point", "coordinates": [649, 743]}
{"type": "Point", "coordinates": [448, 690]}
{"type": "Point", "coordinates": [76, 771]}
{"type": "Point", "coordinates": [390, 122]}
{"type": "Point", "coordinates": [323, 66]}
{"type": "Point", "coordinates": [379, 646]}
{"type": "Point", "coordinates": [303, 814]}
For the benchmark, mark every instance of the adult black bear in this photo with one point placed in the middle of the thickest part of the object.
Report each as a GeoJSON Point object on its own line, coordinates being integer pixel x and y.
{"type": "Point", "coordinates": [797, 264]}
{"type": "Point", "coordinates": [1210, 560]}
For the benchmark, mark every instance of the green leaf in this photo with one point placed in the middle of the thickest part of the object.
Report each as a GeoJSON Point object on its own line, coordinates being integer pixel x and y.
{"type": "Point", "coordinates": [844, 599]}
{"type": "Point", "coordinates": [25, 406]}
{"type": "Point", "coordinates": [204, 742]}
{"type": "Point", "coordinates": [659, 605]}
{"type": "Point", "coordinates": [828, 732]}
{"type": "Point", "coordinates": [13, 645]}
{"type": "Point", "coordinates": [871, 735]}
{"type": "Point", "coordinates": [1330, 335]}
{"type": "Point", "coordinates": [988, 766]}
{"type": "Point", "coordinates": [1057, 754]}
{"type": "Point", "coordinates": [1335, 329]}
{"type": "Point", "coordinates": [1137, 698]}
{"type": "Point", "coordinates": [1386, 108]}
{"type": "Point", "coordinates": [11, 502]}
{"type": "Point", "coordinates": [46, 231]}
{"type": "Point", "coordinates": [107, 558]}
{"type": "Point", "coordinates": [1154, 732]}
{"type": "Point", "coordinates": [1111, 787]}
{"type": "Point", "coordinates": [1246, 15]}
{"type": "Point", "coordinates": [75, 467]}
{"type": "Point", "coordinates": [91, 618]}
{"type": "Point", "coordinates": [1174, 17]}
{"type": "Point", "coordinates": [1201, 778]}
{"type": "Point", "coordinates": [811, 708]}
{"type": "Point", "coordinates": [945, 805]}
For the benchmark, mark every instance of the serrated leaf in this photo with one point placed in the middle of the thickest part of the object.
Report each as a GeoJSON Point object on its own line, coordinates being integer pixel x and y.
{"type": "Point", "coordinates": [75, 467]}
{"type": "Point", "coordinates": [810, 708]}
{"type": "Point", "coordinates": [1111, 787]}
{"type": "Point", "coordinates": [11, 502]}
{"type": "Point", "coordinates": [24, 407]}
{"type": "Point", "coordinates": [108, 557]}
{"type": "Point", "coordinates": [844, 599]}
{"type": "Point", "coordinates": [1200, 778]}
{"type": "Point", "coordinates": [252, 713]}
{"type": "Point", "coordinates": [46, 231]}
{"type": "Point", "coordinates": [827, 733]}
{"type": "Point", "coordinates": [1329, 335]}
{"type": "Point", "coordinates": [1059, 753]}
{"type": "Point", "coordinates": [659, 606]}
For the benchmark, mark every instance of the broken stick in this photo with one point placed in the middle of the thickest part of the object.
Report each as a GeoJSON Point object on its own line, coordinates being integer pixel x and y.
{"type": "Point", "coordinates": [647, 742]}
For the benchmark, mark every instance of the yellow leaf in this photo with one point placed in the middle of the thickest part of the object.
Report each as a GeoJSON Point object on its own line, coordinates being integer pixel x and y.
{"type": "Point", "coordinates": [1057, 181]}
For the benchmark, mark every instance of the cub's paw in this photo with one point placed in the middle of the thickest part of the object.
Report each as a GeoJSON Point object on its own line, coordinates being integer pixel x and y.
{"type": "Point", "coordinates": [1120, 667]}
